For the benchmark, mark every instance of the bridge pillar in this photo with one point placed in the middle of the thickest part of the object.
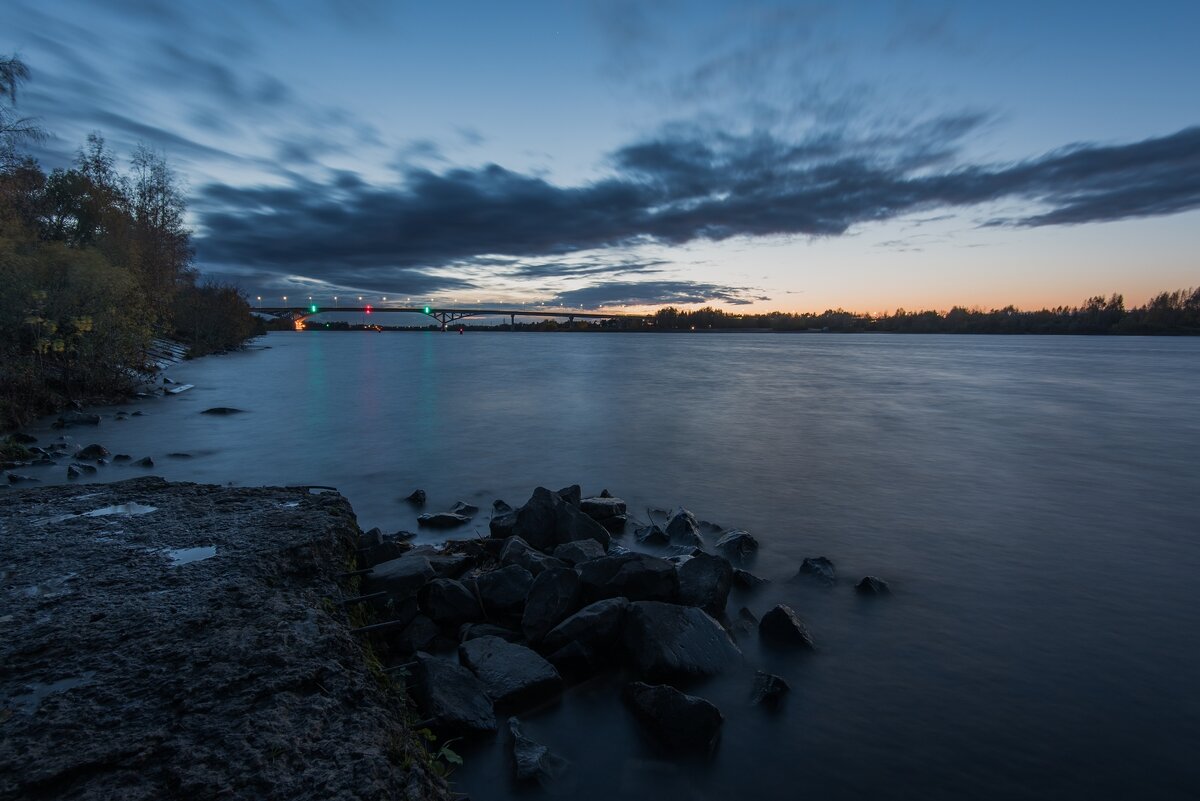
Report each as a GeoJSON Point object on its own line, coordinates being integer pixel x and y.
{"type": "Point", "coordinates": [512, 322]}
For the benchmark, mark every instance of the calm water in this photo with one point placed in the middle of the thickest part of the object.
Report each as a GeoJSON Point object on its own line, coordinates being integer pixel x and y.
{"type": "Point", "coordinates": [1034, 502]}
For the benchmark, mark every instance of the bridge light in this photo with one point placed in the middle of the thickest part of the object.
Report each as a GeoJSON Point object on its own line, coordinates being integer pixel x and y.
{"type": "Point", "coordinates": [313, 308]}
{"type": "Point", "coordinates": [368, 309]}
{"type": "Point", "coordinates": [427, 310]}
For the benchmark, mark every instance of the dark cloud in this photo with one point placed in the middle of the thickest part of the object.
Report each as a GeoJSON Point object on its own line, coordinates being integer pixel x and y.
{"type": "Point", "coordinates": [673, 190]}
{"type": "Point", "coordinates": [654, 293]}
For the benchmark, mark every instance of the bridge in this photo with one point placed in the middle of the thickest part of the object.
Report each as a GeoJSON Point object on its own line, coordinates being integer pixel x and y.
{"type": "Point", "coordinates": [445, 316]}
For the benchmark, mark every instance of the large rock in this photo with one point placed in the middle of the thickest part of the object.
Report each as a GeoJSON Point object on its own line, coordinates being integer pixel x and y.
{"type": "Point", "coordinates": [737, 545]}
{"type": "Point", "coordinates": [574, 553]}
{"type": "Point", "coordinates": [666, 640]}
{"type": "Point", "coordinates": [503, 591]}
{"type": "Point", "coordinates": [682, 724]}
{"type": "Point", "coordinates": [449, 603]}
{"type": "Point", "coordinates": [452, 696]}
{"type": "Point", "coordinates": [819, 568]}
{"type": "Point", "coordinates": [513, 674]}
{"type": "Point", "coordinates": [572, 495]}
{"type": "Point", "coordinates": [745, 580]}
{"type": "Point", "coordinates": [547, 520]}
{"type": "Point", "coordinates": [600, 509]}
{"type": "Point", "coordinates": [403, 576]}
{"type": "Point", "coordinates": [92, 452]}
{"type": "Point", "coordinates": [768, 689]}
{"type": "Point", "coordinates": [781, 626]}
{"type": "Point", "coordinates": [682, 529]}
{"type": "Point", "coordinates": [554, 595]}
{"type": "Point", "coordinates": [636, 576]}
{"type": "Point", "coordinates": [534, 761]}
{"type": "Point", "coordinates": [872, 585]}
{"type": "Point", "coordinates": [704, 581]}
{"type": "Point", "coordinates": [473, 631]}
{"type": "Point", "coordinates": [594, 630]}
{"type": "Point", "coordinates": [418, 635]}
{"type": "Point", "coordinates": [652, 535]}
{"type": "Point", "coordinates": [517, 551]}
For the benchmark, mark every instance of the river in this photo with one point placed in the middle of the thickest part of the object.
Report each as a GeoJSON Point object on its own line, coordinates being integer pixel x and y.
{"type": "Point", "coordinates": [1034, 503]}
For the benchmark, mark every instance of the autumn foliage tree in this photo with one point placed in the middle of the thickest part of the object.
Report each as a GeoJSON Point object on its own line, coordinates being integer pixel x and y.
{"type": "Point", "coordinates": [94, 263]}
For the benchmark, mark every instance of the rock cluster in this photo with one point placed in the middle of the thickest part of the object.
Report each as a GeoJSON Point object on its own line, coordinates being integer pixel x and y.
{"type": "Point", "coordinates": [494, 626]}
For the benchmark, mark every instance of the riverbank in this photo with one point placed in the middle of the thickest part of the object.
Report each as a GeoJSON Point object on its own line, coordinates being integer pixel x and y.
{"type": "Point", "coordinates": [182, 640]}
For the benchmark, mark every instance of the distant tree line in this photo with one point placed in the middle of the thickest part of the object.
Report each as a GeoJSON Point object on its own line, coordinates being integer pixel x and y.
{"type": "Point", "coordinates": [94, 263]}
{"type": "Point", "coordinates": [1175, 312]}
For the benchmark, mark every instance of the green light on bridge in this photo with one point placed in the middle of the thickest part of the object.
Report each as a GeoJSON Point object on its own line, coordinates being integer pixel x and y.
{"type": "Point", "coordinates": [313, 308]}
{"type": "Point", "coordinates": [427, 310]}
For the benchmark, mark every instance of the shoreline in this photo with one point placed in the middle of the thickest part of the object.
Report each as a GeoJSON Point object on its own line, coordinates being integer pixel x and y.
{"type": "Point", "coordinates": [177, 638]}
{"type": "Point", "coordinates": [172, 639]}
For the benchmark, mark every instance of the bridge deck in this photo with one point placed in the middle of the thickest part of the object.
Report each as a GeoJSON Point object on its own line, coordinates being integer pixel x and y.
{"type": "Point", "coordinates": [306, 311]}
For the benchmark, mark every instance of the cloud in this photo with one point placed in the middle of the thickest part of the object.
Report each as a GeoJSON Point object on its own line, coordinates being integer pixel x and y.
{"type": "Point", "coordinates": [674, 190]}
{"type": "Point", "coordinates": [654, 293]}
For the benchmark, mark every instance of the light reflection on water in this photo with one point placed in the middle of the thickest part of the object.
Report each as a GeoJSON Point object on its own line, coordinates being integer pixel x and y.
{"type": "Point", "coordinates": [1033, 502]}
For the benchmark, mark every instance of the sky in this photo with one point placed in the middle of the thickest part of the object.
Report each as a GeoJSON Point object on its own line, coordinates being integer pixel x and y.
{"type": "Point", "coordinates": [748, 155]}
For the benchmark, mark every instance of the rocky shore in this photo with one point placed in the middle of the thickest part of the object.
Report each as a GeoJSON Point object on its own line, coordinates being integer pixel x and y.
{"type": "Point", "coordinates": [189, 641]}
{"type": "Point", "coordinates": [182, 640]}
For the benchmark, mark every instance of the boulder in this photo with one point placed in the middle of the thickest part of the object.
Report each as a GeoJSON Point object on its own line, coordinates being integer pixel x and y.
{"type": "Point", "coordinates": [614, 524]}
{"type": "Point", "coordinates": [122, 457]}
{"type": "Point", "coordinates": [636, 576]}
{"type": "Point", "coordinates": [449, 603]}
{"type": "Point", "coordinates": [371, 538]}
{"type": "Point", "coordinates": [442, 520]}
{"type": "Point", "coordinates": [221, 410]}
{"type": "Point", "coordinates": [179, 455]}
{"type": "Point", "coordinates": [737, 545]}
{"type": "Point", "coordinates": [84, 468]}
{"type": "Point", "coordinates": [595, 628]}
{"type": "Point", "coordinates": [502, 592]}
{"type": "Point", "coordinates": [401, 577]}
{"type": "Point", "coordinates": [499, 507]}
{"type": "Point", "coordinates": [451, 696]}
{"type": "Point", "coordinates": [73, 471]}
{"type": "Point", "coordinates": [502, 524]}
{"type": "Point", "coordinates": [417, 635]}
{"type": "Point", "coordinates": [464, 509]}
{"type": "Point", "coordinates": [145, 461]}
{"type": "Point", "coordinates": [768, 689]}
{"type": "Point", "coordinates": [572, 495]}
{"type": "Point", "coordinates": [512, 674]}
{"type": "Point", "coordinates": [682, 529]}
{"type": "Point", "coordinates": [473, 631]}
{"type": "Point", "coordinates": [601, 509]}
{"type": "Point", "coordinates": [682, 724]}
{"type": "Point", "coordinates": [574, 661]}
{"type": "Point", "coordinates": [547, 520]}
{"type": "Point", "coordinates": [745, 580]}
{"type": "Point", "coordinates": [22, 438]}
{"type": "Point", "coordinates": [17, 478]}
{"type": "Point", "coordinates": [517, 551]}
{"type": "Point", "coordinates": [416, 497]}
{"type": "Point", "coordinates": [553, 595]}
{"type": "Point", "coordinates": [819, 568]}
{"type": "Point", "coordinates": [92, 452]}
{"type": "Point", "coordinates": [783, 627]}
{"type": "Point", "coordinates": [704, 581]}
{"type": "Point", "coordinates": [534, 761]}
{"type": "Point", "coordinates": [574, 553]}
{"type": "Point", "coordinates": [652, 535]}
{"type": "Point", "coordinates": [872, 585]}
{"type": "Point", "coordinates": [666, 640]}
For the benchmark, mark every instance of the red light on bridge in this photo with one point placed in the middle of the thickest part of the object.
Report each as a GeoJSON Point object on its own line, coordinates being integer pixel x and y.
{"type": "Point", "coordinates": [368, 310]}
